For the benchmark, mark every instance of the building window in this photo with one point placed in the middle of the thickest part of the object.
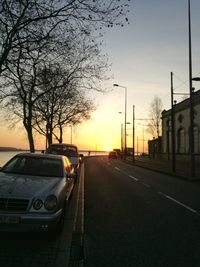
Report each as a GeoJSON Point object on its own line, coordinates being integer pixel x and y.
{"type": "Point", "coordinates": [168, 123]}
{"type": "Point", "coordinates": [180, 118]}
{"type": "Point", "coordinates": [196, 139]}
{"type": "Point", "coordinates": [168, 143]}
{"type": "Point", "coordinates": [181, 140]}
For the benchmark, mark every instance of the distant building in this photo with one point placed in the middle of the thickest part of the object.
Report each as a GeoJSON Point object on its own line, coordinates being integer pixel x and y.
{"type": "Point", "coordinates": [181, 129]}
{"type": "Point", "coordinates": [155, 147]}
{"type": "Point", "coordinates": [129, 151]}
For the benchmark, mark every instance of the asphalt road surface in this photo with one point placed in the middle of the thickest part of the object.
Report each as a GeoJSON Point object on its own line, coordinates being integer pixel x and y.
{"type": "Point", "coordinates": [136, 217]}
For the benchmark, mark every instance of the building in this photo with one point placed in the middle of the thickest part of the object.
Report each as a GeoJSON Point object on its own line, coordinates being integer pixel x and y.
{"type": "Point", "coordinates": [155, 147]}
{"type": "Point", "coordinates": [181, 129]}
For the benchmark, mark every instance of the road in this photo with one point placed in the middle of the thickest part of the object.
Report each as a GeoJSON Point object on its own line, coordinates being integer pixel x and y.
{"type": "Point", "coordinates": [119, 215]}
{"type": "Point", "coordinates": [136, 217]}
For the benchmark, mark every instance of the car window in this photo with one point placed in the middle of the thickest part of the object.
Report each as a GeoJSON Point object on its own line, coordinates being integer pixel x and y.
{"type": "Point", "coordinates": [69, 151]}
{"type": "Point", "coordinates": [34, 166]}
{"type": "Point", "coordinates": [14, 165]}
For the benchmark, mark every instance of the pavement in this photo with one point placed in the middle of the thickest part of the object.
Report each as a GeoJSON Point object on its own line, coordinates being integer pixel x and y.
{"type": "Point", "coordinates": [182, 168]}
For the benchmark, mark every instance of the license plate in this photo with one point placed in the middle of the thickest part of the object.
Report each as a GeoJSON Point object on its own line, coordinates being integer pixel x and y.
{"type": "Point", "coordinates": [9, 219]}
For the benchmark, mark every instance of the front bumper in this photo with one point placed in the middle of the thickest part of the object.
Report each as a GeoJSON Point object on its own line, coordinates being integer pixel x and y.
{"type": "Point", "coordinates": [29, 222]}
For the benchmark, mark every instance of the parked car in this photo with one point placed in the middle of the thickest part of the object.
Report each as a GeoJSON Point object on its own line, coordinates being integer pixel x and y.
{"type": "Point", "coordinates": [34, 190]}
{"type": "Point", "coordinates": [68, 150]}
{"type": "Point", "coordinates": [112, 155]}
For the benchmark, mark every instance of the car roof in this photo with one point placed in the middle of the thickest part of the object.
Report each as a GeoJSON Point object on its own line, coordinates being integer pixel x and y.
{"type": "Point", "coordinates": [40, 155]}
{"type": "Point", "coordinates": [63, 144]}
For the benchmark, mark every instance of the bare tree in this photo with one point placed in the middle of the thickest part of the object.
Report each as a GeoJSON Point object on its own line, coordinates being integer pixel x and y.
{"type": "Point", "coordinates": [60, 108]}
{"type": "Point", "coordinates": [49, 77]}
{"type": "Point", "coordinates": [35, 32]}
{"type": "Point", "coordinates": [30, 23]}
{"type": "Point", "coordinates": [23, 91]}
{"type": "Point", "coordinates": [155, 124]}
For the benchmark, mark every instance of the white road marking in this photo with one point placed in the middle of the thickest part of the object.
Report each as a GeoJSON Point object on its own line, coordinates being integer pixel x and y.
{"type": "Point", "coordinates": [80, 201]}
{"type": "Point", "coordinates": [134, 178]}
{"type": "Point", "coordinates": [146, 185]}
{"type": "Point", "coordinates": [166, 196]}
{"type": "Point", "coordinates": [179, 203]}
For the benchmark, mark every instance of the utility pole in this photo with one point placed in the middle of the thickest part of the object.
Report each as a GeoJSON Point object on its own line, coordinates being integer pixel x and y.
{"type": "Point", "coordinates": [122, 143]}
{"type": "Point", "coordinates": [191, 131]}
{"type": "Point", "coordinates": [173, 143]}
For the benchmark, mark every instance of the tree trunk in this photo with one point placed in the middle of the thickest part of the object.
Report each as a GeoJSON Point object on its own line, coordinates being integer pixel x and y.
{"type": "Point", "coordinates": [31, 141]}
{"type": "Point", "coordinates": [49, 135]}
{"type": "Point", "coordinates": [61, 134]}
{"type": "Point", "coordinates": [28, 127]}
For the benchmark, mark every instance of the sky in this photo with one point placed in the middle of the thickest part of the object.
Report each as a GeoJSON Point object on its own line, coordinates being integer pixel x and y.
{"type": "Point", "coordinates": [142, 55]}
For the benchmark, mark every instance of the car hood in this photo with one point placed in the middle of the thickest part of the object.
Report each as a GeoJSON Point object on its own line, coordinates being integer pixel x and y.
{"type": "Point", "coordinates": [15, 185]}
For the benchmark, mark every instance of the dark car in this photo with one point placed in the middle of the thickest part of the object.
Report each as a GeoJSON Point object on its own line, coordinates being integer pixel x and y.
{"type": "Point", "coordinates": [68, 150]}
{"type": "Point", "coordinates": [112, 155]}
{"type": "Point", "coordinates": [34, 190]}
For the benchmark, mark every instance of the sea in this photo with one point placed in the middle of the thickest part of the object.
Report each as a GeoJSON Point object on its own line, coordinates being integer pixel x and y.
{"type": "Point", "coordinates": [7, 155]}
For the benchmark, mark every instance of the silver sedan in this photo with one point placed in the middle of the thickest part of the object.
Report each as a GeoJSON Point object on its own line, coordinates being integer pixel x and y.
{"type": "Point", "coordinates": [34, 189]}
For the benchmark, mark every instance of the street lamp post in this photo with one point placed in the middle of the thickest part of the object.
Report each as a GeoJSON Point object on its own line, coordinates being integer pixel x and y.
{"type": "Point", "coordinates": [122, 146]}
{"type": "Point", "coordinates": [133, 134]}
{"type": "Point", "coordinates": [192, 157]}
{"type": "Point", "coordinates": [143, 140]}
{"type": "Point", "coordinates": [125, 108]}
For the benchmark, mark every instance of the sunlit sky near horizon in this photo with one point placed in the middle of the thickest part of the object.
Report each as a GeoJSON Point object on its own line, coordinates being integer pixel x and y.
{"type": "Point", "coordinates": [142, 55]}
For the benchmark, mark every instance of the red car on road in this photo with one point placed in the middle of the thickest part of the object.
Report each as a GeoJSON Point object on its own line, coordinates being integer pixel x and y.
{"type": "Point", "coordinates": [112, 155]}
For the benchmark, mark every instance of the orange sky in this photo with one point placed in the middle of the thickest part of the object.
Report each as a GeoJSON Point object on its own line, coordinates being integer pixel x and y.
{"type": "Point", "coordinates": [142, 55]}
{"type": "Point", "coordinates": [102, 132]}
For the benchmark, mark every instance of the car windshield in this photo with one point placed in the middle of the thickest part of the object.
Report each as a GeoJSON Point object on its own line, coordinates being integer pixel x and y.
{"type": "Point", "coordinates": [34, 166]}
{"type": "Point", "coordinates": [69, 151]}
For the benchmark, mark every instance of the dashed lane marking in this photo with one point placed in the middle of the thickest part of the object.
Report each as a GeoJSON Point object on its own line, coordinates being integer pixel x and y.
{"type": "Point", "coordinates": [166, 196]}
{"type": "Point", "coordinates": [146, 185]}
{"type": "Point", "coordinates": [179, 203]}
{"type": "Point", "coordinates": [134, 178]}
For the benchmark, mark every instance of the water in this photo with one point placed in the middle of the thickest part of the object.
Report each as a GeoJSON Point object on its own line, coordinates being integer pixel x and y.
{"type": "Point", "coordinates": [6, 155]}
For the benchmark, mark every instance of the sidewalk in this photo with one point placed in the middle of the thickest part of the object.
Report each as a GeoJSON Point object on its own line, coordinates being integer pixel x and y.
{"type": "Point", "coordinates": [165, 166]}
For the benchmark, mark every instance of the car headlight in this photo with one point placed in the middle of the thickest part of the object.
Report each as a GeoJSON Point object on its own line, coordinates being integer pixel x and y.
{"type": "Point", "coordinates": [37, 204]}
{"type": "Point", "coordinates": [50, 202]}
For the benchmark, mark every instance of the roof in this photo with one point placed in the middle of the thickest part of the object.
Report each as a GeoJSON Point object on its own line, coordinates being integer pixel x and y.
{"type": "Point", "coordinates": [62, 144]}
{"type": "Point", "coordinates": [40, 155]}
{"type": "Point", "coordinates": [183, 104]}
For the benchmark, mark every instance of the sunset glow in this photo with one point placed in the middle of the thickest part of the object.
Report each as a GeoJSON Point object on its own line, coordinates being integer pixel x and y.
{"type": "Point", "coordinates": [142, 55]}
